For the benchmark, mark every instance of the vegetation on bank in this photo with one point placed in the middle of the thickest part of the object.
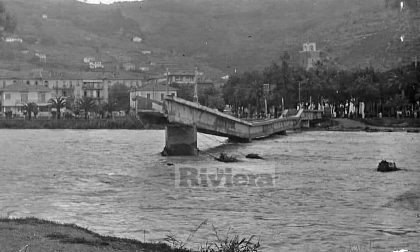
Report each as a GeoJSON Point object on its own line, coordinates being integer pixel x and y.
{"type": "Point", "coordinates": [386, 92]}
{"type": "Point", "coordinates": [117, 123]}
{"type": "Point", "coordinates": [392, 122]}
{"type": "Point", "coordinates": [36, 235]}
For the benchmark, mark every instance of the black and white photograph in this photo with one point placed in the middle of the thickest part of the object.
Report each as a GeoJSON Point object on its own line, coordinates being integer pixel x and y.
{"type": "Point", "coordinates": [209, 125]}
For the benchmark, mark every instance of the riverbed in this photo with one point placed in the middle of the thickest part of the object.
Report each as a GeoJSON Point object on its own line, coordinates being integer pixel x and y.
{"type": "Point", "coordinates": [313, 191]}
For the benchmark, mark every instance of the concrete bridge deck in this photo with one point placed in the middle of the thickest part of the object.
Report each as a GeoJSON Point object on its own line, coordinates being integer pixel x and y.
{"type": "Point", "coordinates": [187, 118]}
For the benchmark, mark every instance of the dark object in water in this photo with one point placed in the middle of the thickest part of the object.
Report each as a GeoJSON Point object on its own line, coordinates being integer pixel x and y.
{"type": "Point", "coordinates": [413, 131]}
{"type": "Point", "coordinates": [254, 156]}
{"type": "Point", "coordinates": [385, 166]}
{"type": "Point", "coordinates": [225, 158]}
{"type": "Point", "coordinates": [169, 164]}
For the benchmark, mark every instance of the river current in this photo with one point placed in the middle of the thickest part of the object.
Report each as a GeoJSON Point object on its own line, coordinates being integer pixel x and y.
{"type": "Point", "coordinates": [313, 191]}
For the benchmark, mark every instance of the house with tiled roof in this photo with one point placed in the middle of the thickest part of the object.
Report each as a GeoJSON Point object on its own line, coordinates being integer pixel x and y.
{"type": "Point", "coordinates": [183, 76]}
{"type": "Point", "coordinates": [14, 97]}
{"type": "Point", "coordinates": [151, 96]}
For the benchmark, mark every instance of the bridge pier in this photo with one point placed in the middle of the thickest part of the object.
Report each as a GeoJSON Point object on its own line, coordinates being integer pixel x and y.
{"type": "Point", "coordinates": [181, 140]}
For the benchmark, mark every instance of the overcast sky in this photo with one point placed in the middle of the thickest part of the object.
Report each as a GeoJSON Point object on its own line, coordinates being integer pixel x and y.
{"type": "Point", "coordinates": [107, 1]}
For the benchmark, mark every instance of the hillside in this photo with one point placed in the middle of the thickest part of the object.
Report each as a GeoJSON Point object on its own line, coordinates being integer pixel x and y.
{"type": "Point", "coordinates": [218, 35]}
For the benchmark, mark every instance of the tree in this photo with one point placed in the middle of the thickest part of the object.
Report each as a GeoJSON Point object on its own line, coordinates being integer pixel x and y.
{"type": "Point", "coordinates": [30, 108]}
{"type": "Point", "coordinates": [119, 97]}
{"type": "Point", "coordinates": [211, 97]}
{"type": "Point", "coordinates": [87, 104]}
{"type": "Point", "coordinates": [58, 103]}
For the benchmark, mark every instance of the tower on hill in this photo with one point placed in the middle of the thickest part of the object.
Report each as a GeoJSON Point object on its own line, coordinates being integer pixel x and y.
{"type": "Point", "coordinates": [309, 56]}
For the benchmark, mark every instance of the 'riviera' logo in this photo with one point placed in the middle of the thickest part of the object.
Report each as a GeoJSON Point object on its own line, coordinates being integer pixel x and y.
{"type": "Point", "coordinates": [222, 177]}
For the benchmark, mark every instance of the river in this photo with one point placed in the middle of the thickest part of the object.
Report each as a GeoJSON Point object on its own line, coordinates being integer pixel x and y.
{"type": "Point", "coordinates": [320, 191]}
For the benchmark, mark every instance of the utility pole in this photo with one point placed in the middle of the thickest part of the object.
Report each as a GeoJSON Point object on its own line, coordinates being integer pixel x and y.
{"type": "Point", "coordinates": [167, 82]}
{"type": "Point", "coordinates": [195, 85]}
{"type": "Point", "coordinates": [299, 95]}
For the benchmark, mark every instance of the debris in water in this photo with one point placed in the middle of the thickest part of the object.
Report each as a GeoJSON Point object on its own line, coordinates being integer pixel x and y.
{"type": "Point", "coordinates": [385, 166]}
{"type": "Point", "coordinates": [225, 158]}
{"type": "Point", "coordinates": [254, 156]}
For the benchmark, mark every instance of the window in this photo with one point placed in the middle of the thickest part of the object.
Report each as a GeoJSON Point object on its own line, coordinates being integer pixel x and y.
{"type": "Point", "coordinates": [36, 83]}
{"type": "Point", "coordinates": [148, 95]}
{"type": "Point", "coordinates": [24, 97]}
{"type": "Point", "coordinates": [98, 93]}
{"type": "Point", "coordinates": [7, 96]}
{"type": "Point", "coordinates": [84, 93]}
{"type": "Point", "coordinates": [28, 82]}
{"type": "Point", "coordinates": [162, 95]}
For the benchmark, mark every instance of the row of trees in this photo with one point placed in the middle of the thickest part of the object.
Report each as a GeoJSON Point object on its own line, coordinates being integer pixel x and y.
{"type": "Point", "coordinates": [384, 92]}
{"type": "Point", "coordinates": [85, 104]}
{"type": "Point", "coordinates": [119, 100]}
{"type": "Point", "coordinates": [8, 21]}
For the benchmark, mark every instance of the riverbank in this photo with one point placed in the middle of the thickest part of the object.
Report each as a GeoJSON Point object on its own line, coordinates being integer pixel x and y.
{"type": "Point", "coordinates": [368, 125]}
{"type": "Point", "coordinates": [35, 235]}
{"type": "Point", "coordinates": [117, 123]}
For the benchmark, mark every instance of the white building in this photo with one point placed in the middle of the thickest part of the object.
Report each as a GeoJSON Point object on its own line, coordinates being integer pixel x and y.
{"type": "Point", "coordinates": [14, 97]}
{"type": "Point", "coordinates": [87, 60]}
{"type": "Point", "coordinates": [309, 56]}
{"type": "Point", "coordinates": [137, 39]}
{"type": "Point", "coordinates": [13, 40]}
{"type": "Point", "coordinates": [96, 65]}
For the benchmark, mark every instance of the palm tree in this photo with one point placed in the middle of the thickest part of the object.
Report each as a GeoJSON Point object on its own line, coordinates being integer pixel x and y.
{"type": "Point", "coordinates": [58, 103]}
{"type": "Point", "coordinates": [87, 104]}
{"type": "Point", "coordinates": [30, 108]}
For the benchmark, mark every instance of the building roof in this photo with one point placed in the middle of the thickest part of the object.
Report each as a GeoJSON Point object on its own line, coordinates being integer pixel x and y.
{"type": "Point", "coordinates": [178, 71]}
{"type": "Point", "coordinates": [156, 87]}
{"type": "Point", "coordinates": [20, 87]}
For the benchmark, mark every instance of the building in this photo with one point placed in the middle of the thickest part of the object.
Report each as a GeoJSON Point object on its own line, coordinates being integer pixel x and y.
{"type": "Point", "coordinates": [13, 40]}
{"type": "Point", "coordinates": [146, 52]}
{"type": "Point", "coordinates": [183, 76]}
{"type": "Point", "coordinates": [146, 97]}
{"type": "Point", "coordinates": [87, 60]}
{"type": "Point", "coordinates": [137, 39]}
{"type": "Point", "coordinates": [42, 57]}
{"type": "Point", "coordinates": [309, 56]}
{"type": "Point", "coordinates": [15, 96]}
{"type": "Point", "coordinates": [96, 89]}
{"type": "Point", "coordinates": [129, 66]}
{"type": "Point", "coordinates": [96, 65]}
{"type": "Point", "coordinates": [144, 69]}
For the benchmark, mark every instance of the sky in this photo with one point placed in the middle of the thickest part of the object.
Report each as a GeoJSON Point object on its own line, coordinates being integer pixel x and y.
{"type": "Point", "coordinates": [107, 1]}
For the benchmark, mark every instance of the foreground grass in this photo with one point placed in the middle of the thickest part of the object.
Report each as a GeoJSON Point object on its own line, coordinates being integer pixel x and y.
{"type": "Point", "coordinates": [35, 235]}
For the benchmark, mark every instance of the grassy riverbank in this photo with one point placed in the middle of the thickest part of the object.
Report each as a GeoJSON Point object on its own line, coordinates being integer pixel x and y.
{"type": "Point", "coordinates": [118, 123]}
{"type": "Point", "coordinates": [35, 235]}
{"type": "Point", "coordinates": [392, 122]}
{"type": "Point", "coordinates": [369, 125]}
